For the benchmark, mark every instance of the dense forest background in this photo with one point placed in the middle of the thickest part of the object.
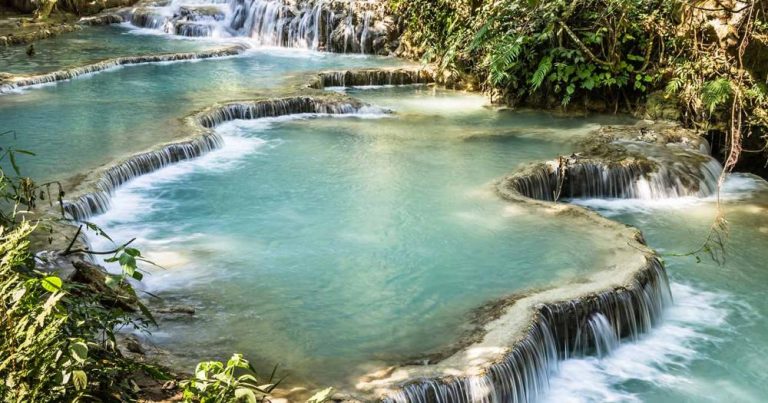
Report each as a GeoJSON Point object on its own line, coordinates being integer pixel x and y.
{"type": "Point", "coordinates": [704, 63]}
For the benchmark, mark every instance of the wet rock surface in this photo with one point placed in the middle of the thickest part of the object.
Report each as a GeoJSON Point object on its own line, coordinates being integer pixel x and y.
{"type": "Point", "coordinates": [648, 160]}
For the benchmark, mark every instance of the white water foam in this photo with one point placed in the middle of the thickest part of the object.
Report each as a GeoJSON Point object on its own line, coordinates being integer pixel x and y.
{"type": "Point", "coordinates": [132, 203]}
{"type": "Point", "coordinates": [658, 358]}
{"type": "Point", "coordinates": [344, 90]}
{"type": "Point", "coordinates": [736, 187]}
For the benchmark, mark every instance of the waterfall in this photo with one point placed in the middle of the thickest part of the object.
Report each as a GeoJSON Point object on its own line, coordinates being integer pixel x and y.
{"type": "Point", "coordinates": [97, 201]}
{"type": "Point", "coordinates": [590, 325]}
{"type": "Point", "coordinates": [349, 29]}
{"type": "Point", "coordinates": [273, 108]}
{"type": "Point", "coordinates": [148, 19]}
{"type": "Point", "coordinates": [355, 78]}
{"type": "Point", "coordinates": [68, 74]}
{"type": "Point", "coordinates": [649, 179]}
{"type": "Point", "coordinates": [600, 331]}
{"type": "Point", "coordinates": [202, 21]}
{"type": "Point", "coordinates": [364, 35]}
{"type": "Point", "coordinates": [339, 26]}
{"type": "Point", "coordinates": [193, 29]}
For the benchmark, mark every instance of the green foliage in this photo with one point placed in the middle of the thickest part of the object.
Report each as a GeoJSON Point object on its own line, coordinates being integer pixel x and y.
{"type": "Point", "coordinates": [532, 50]}
{"type": "Point", "coordinates": [236, 381]}
{"type": "Point", "coordinates": [57, 339]}
{"type": "Point", "coordinates": [716, 93]}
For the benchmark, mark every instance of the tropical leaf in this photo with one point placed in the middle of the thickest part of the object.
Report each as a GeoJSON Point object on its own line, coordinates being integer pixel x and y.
{"type": "Point", "coordinates": [545, 65]}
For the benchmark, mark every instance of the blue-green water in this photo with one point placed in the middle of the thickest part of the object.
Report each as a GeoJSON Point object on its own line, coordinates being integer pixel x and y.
{"type": "Point", "coordinates": [88, 46]}
{"type": "Point", "coordinates": [333, 245]}
{"type": "Point", "coordinates": [81, 124]}
{"type": "Point", "coordinates": [712, 346]}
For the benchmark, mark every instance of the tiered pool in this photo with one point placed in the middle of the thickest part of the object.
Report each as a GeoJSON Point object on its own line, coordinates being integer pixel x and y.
{"type": "Point", "coordinates": [337, 245]}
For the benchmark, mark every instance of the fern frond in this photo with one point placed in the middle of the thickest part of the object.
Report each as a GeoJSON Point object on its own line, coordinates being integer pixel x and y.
{"type": "Point", "coordinates": [545, 65]}
{"type": "Point", "coordinates": [674, 86]}
{"type": "Point", "coordinates": [716, 93]}
{"type": "Point", "coordinates": [504, 60]}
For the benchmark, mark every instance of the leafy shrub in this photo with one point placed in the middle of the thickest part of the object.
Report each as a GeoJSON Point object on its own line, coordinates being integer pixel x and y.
{"type": "Point", "coordinates": [215, 381]}
{"type": "Point", "coordinates": [528, 50]}
{"type": "Point", "coordinates": [57, 339]}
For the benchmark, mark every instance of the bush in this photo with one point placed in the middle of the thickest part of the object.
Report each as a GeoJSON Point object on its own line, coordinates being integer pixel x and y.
{"type": "Point", "coordinates": [57, 339]}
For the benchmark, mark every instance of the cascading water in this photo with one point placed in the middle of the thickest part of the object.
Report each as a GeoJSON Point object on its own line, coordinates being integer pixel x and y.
{"type": "Point", "coordinates": [590, 325]}
{"type": "Point", "coordinates": [685, 173]}
{"type": "Point", "coordinates": [593, 325]}
{"type": "Point", "coordinates": [364, 36]}
{"type": "Point", "coordinates": [375, 77]}
{"type": "Point", "coordinates": [338, 26]}
{"type": "Point", "coordinates": [68, 74]}
{"type": "Point", "coordinates": [97, 202]}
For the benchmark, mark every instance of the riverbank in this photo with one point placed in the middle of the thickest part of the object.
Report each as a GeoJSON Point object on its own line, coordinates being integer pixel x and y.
{"type": "Point", "coordinates": [18, 28]}
{"type": "Point", "coordinates": [701, 66]}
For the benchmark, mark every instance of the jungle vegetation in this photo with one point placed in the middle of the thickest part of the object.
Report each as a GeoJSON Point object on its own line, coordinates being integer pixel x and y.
{"type": "Point", "coordinates": [704, 60]}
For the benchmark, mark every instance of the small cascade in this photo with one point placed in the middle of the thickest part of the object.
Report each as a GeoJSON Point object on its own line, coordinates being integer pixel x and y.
{"type": "Point", "coordinates": [274, 108]}
{"type": "Point", "coordinates": [193, 29]}
{"type": "Point", "coordinates": [365, 36]}
{"type": "Point", "coordinates": [648, 179]}
{"type": "Point", "coordinates": [192, 21]}
{"type": "Point", "coordinates": [148, 18]}
{"type": "Point", "coordinates": [348, 30]}
{"type": "Point", "coordinates": [308, 25]}
{"type": "Point", "coordinates": [358, 26]}
{"type": "Point", "coordinates": [97, 202]}
{"type": "Point", "coordinates": [356, 78]}
{"type": "Point", "coordinates": [593, 324]}
{"type": "Point", "coordinates": [68, 74]}
{"type": "Point", "coordinates": [600, 335]}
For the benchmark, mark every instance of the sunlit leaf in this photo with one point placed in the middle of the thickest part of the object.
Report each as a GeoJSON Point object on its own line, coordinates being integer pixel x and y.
{"type": "Point", "coordinates": [79, 351]}
{"type": "Point", "coordinates": [80, 379]}
{"type": "Point", "coordinates": [51, 283]}
{"type": "Point", "coordinates": [321, 396]}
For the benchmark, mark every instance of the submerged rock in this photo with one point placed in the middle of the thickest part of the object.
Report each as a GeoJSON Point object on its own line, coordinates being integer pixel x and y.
{"type": "Point", "coordinates": [102, 19]}
{"type": "Point", "coordinates": [95, 277]}
{"type": "Point", "coordinates": [174, 309]}
{"type": "Point", "coordinates": [133, 345]}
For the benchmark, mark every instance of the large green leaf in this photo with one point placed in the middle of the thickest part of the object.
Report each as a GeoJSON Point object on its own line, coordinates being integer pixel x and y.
{"type": "Point", "coordinates": [52, 283]}
{"type": "Point", "coordinates": [79, 351]}
{"type": "Point", "coordinates": [80, 379]}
